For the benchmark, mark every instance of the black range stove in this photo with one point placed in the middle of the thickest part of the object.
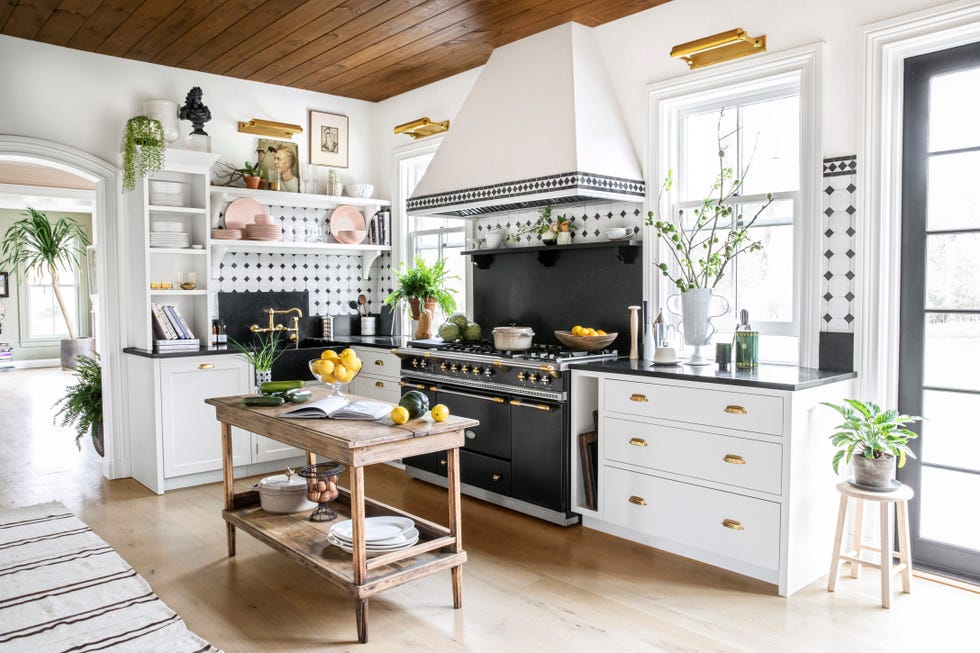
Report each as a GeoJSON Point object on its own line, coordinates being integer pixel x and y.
{"type": "Point", "coordinates": [518, 456]}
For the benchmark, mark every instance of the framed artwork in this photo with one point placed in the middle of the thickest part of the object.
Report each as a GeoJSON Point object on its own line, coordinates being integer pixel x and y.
{"type": "Point", "coordinates": [329, 136]}
{"type": "Point", "coordinates": [280, 157]}
{"type": "Point", "coordinates": [4, 286]}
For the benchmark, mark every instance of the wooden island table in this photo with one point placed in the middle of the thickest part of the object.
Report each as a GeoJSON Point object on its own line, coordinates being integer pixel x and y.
{"type": "Point", "coordinates": [356, 444]}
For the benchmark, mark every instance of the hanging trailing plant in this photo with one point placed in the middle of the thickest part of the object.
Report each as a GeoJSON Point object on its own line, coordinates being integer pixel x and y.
{"type": "Point", "coordinates": [143, 149]}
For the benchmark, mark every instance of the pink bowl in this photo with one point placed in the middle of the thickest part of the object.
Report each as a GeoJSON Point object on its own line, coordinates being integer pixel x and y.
{"type": "Point", "coordinates": [262, 218]}
{"type": "Point", "coordinates": [351, 237]}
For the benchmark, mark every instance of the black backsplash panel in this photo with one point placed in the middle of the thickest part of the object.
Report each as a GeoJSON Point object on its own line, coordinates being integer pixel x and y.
{"type": "Point", "coordinates": [240, 310]}
{"type": "Point", "coordinates": [836, 351]}
{"type": "Point", "coordinates": [588, 287]}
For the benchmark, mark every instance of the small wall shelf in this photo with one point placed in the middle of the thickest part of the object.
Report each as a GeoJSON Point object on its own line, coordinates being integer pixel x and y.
{"type": "Point", "coordinates": [221, 195]}
{"type": "Point", "coordinates": [368, 253]}
{"type": "Point", "coordinates": [548, 255]}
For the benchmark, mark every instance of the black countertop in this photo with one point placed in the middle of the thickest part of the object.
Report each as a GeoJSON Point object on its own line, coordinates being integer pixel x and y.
{"type": "Point", "coordinates": [380, 342]}
{"type": "Point", "coordinates": [776, 377]}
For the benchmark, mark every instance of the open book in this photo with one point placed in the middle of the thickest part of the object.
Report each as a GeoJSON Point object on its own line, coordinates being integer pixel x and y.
{"type": "Point", "coordinates": [338, 407]}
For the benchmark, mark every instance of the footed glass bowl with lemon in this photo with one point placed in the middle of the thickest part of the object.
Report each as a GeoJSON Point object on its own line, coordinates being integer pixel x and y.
{"type": "Point", "coordinates": [335, 369]}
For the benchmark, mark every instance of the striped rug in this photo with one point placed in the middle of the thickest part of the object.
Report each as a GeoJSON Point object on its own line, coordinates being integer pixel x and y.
{"type": "Point", "coordinates": [62, 588]}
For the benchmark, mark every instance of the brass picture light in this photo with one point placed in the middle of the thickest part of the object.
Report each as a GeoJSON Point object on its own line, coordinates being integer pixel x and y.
{"type": "Point", "coordinates": [269, 128]}
{"type": "Point", "coordinates": [422, 127]}
{"type": "Point", "coordinates": [717, 48]}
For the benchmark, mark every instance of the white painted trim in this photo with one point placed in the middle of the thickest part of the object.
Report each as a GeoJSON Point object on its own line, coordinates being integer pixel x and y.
{"type": "Point", "coordinates": [669, 96]}
{"type": "Point", "coordinates": [37, 362]}
{"type": "Point", "coordinates": [886, 45]}
{"type": "Point", "coordinates": [108, 226]}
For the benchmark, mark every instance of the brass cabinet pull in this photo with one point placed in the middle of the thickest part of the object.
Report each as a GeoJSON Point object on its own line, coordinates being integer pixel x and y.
{"type": "Point", "coordinates": [443, 462]}
{"type": "Point", "coordinates": [638, 442]}
{"type": "Point", "coordinates": [734, 459]}
{"type": "Point", "coordinates": [736, 410]}
{"type": "Point", "coordinates": [496, 477]}
{"type": "Point", "coordinates": [733, 524]}
{"type": "Point", "coordinates": [379, 363]}
{"type": "Point", "coordinates": [205, 366]}
{"type": "Point", "coordinates": [638, 397]}
{"type": "Point", "coordinates": [379, 384]}
{"type": "Point", "coordinates": [638, 501]}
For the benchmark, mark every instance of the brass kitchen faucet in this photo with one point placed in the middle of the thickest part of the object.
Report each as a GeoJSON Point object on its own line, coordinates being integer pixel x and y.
{"type": "Point", "coordinates": [274, 328]}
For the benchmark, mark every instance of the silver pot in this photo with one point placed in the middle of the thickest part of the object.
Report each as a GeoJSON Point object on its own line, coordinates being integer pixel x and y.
{"type": "Point", "coordinates": [512, 338]}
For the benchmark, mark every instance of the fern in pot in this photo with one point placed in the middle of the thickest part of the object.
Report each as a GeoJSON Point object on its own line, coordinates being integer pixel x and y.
{"type": "Point", "coordinates": [873, 440]}
{"type": "Point", "coordinates": [424, 284]}
{"type": "Point", "coordinates": [81, 407]}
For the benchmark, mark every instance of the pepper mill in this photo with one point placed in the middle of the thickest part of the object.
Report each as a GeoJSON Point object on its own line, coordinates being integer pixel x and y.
{"type": "Point", "coordinates": [634, 331]}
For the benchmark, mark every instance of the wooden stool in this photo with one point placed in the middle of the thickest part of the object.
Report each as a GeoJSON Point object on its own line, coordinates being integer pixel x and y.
{"type": "Point", "coordinates": [900, 497]}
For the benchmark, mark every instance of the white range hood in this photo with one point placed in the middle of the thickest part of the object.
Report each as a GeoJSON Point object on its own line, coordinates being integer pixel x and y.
{"type": "Point", "coordinates": [541, 126]}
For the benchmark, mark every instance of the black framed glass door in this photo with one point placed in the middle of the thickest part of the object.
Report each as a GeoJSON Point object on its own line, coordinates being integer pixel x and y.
{"type": "Point", "coordinates": [939, 357]}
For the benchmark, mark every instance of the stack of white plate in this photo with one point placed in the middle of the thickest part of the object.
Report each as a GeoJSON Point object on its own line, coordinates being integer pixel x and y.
{"type": "Point", "coordinates": [169, 227]}
{"type": "Point", "coordinates": [168, 237]}
{"type": "Point", "coordinates": [167, 193]}
{"type": "Point", "coordinates": [381, 534]}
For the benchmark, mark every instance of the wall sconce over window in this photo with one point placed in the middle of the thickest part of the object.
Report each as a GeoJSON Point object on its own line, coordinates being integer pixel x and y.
{"type": "Point", "coordinates": [422, 127]}
{"type": "Point", "coordinates": [269, 128]}
{"type": "Point", "coordinates": [714, 49]}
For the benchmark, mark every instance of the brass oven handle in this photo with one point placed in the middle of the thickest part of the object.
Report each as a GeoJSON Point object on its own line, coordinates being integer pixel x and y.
{"type": "Point", "coordinates": [638, 397]}
{"type": "Point", "coordinates": [518, 402]}
{"type": "Point", "coordinates": [734, 459]}
{"type": "Point", "coordinates": [736, 410]}
{"type": "Point", "coordinates": [496, 400]}
{"type": "Point", "coordinates": [205, 366]}
{"type": "Point", "coordinates": [637, 501]}
{"type": "Point", "coordinates": [412, 385]}
{"type": "Point", "coordinates": [733, 524]}
{"type": "Point", "coordinates": [638, 442]}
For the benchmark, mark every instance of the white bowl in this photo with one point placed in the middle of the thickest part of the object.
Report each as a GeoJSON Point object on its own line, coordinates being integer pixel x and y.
{"type": "Point", "coordinates": [362, 191]}
{"type": "Point", "coordinates": [616, 233]}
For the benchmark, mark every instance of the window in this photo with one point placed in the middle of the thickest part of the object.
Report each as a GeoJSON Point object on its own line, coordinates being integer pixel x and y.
{"type": "Point", "coordinates": [44, 318]}
{"type": "Point", "coordinates": [765, 112]}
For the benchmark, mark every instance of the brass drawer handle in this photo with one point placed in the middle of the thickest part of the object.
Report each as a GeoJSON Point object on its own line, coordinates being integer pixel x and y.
{"type": "Point", "coordinates": [379, 363]}
{"type": "Point", "coordinates": [443, 462]}
{"type": "Point", "coordinates": [638, 442]}
{"type": "Point", "coordinates": [205, 366]}
{"type": "Point", "coordinates": [733, 524]}
{"type": "Point", "coordinates": [379, 384]}
{"type": "Point", "coordinates": [736, 410]}
{"type": "Point", "coordinates": [734, 459]}
{"type": "Point", "coordinates": [496, 477]}
{"type": "Point", "coordinates": [638, 397]}
{"type": "Point", "coordinates": [638, 501]}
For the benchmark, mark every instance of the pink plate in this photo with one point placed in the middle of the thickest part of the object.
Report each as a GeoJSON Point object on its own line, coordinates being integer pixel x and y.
{"type": "Point", "coordinates": [345, 218]}
{"type": "Point", "coordinates": [242, 212]}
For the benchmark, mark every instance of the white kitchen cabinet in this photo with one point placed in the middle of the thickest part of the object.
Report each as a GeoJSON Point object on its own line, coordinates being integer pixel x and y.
{"type": "Point", "coordinates": [379, 376]}
{"type": "Point", "coordinates": [736, 475]}
{"type": "Point", "coordinates": [176, 438]}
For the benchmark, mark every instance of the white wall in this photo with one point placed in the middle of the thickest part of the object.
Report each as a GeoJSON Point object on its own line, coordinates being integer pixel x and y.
{"type": "Point", "coordinates": [83, 100]}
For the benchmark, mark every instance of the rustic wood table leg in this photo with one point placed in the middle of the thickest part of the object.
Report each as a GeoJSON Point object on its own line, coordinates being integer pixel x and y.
{"type": "Point", "coordinates": [455, 522]}
{"type": "Point", "coordinates": [360, 555]}
{"type": "Point", "coordinates": [228, 472]}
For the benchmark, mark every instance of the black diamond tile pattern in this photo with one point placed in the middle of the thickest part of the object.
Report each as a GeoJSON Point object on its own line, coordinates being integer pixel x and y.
{"type": "Point", "coordinates": [839, 247]}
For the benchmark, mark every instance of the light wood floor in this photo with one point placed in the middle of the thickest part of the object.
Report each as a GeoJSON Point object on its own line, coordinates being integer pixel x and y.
{"type": "Point", "coordinates": [528, 586]}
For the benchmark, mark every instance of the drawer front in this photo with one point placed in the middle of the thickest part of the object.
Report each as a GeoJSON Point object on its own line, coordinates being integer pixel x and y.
{"type": "Point", "coordinates": [379, 362]}
{"type": "Point", "coordinates": [719, 458]}
{"type": "Point", "coordinates": [722, 523]}
{"type": "Point", "coordinates": [376, 387]}
{"type": "Point", "coordinates": [723, 408]}
{"type": "Point", "coordinates": [483, 472]}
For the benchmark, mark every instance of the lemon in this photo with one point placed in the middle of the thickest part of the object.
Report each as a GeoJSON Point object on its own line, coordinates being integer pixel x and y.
{"type": "Point", "coordinates": [600, 332]}
{"type": "Point", "coordinates": [399, 415]}
{"type": "Point", "coordinates": [440, 412]}
{"type": "Point", "coordinates": [576, 330]}
{"type": "Point", "coordinates": [323, 367]}
{"type": "Point", "coordinates": [329, 354]}
{"type": "Point", "coordinates": [347, 353]}
{"type": "Point", "coordinates": [354, 364]}
{"type": "Point", "coordinates": [340, 372]}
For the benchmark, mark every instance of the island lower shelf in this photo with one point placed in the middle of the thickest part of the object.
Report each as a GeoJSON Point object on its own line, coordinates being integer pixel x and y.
{"type": "Point", "coordinates": [306, 542]}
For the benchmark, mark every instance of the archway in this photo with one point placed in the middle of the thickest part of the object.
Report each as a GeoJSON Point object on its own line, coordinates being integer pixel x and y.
{"type": "Point", "coordinates": [109, 275]}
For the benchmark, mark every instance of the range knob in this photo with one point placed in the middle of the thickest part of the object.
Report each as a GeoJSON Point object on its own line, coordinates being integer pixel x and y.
{"type": "Point", "coordinates": [415, 362]}
{"type": "Point", "coordinates": [453, 368]}
{"type": "Point", "coordinates": [465, 369]}
{"type": "Point", "coordinates": [443, 366]}
{"type": "Point", "coordinates": [488, 372]}
{"type": "Point", "coordinates": [533, 378]}
{"type": "Point", "coordinates": [546, 379]}
{"type": "Point", "coordinates": [521, 377]}
{"type": "Point", "coordinates": [476, 371]}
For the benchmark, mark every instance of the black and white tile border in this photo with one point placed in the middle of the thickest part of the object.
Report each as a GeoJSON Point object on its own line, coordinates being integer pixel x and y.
{"type": "Point", "coordinates": [591, 222]}
{"type": "Point", "coordinates": [839, 249]}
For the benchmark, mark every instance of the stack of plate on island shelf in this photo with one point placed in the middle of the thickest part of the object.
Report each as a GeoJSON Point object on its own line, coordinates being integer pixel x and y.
{"type": "Point", "coordinates": [381, 534]}
{"type": "Point", "coordinates": [170, 235]}
{"type": "Point", "coordinates": [226, 234]}
{"type": "Point", "coordinates": [263, 232]}
{"type": "Point", "coordinates": [167, 193]}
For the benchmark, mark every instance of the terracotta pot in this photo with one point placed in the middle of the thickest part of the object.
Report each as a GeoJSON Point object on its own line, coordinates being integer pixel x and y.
{"type": "Point", "coordinates": [252, 181]}
{"type": "Point", "coordinates": [430, 304]}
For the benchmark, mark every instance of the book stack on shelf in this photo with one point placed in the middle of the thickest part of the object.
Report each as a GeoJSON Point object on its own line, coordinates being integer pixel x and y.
{"type": "Point", "coordinates": [171, 331]}
{"type": "Point", "coordinates": [6, 356]}
{"type": "Point", "coordinates": [378, 228]}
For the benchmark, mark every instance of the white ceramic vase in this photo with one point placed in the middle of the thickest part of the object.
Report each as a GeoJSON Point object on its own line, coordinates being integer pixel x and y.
{"type": "Point", "coordinates": [695, 312]}
{"type": "Point", "coordinates": [166, 112]}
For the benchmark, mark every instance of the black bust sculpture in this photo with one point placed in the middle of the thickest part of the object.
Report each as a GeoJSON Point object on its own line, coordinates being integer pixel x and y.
{"type": "Point", "coordinates": [195, 110]}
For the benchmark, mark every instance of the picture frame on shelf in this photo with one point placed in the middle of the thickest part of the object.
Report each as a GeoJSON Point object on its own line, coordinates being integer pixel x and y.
{"type": "Point", "coordinates": [4, 285]}
{"type": "Point", "coordinates": [329, 139]}
{"type": "Point", "coordinates": [280, 162]}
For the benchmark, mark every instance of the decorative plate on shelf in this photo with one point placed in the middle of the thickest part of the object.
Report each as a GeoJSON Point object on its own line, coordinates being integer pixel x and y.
{"type": "Point", "coordinates": [345, 222]}
{"type": "Point", "coordinates": [242, 212]}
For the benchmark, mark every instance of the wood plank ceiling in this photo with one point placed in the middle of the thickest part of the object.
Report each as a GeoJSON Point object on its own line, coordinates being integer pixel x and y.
{"type": "Point", "coordinates": [365, 49]}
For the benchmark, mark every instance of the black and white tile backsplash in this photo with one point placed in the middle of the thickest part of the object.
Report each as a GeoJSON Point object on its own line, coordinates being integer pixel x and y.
{"type": "Point", "coordinates": [591, 221]}
{"type": "Point", "coordinates": [839, 245]}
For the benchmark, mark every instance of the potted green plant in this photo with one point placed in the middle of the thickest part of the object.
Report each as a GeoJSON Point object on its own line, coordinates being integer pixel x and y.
{"type": "Point", "coordinates": [252, 173]}
{"type": "Point", "coordinates": [261, 355]}
{"type": "Point", "coordinates": [873, 439]}
{"type": "Point", "coordinates": [36, 245]}
{"type": "Point", "coordinates": [424, 284]}
{"type": "Point", "coordinates": [143, 149]}
{"type": "Point", "coordinates": [81, 407]}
